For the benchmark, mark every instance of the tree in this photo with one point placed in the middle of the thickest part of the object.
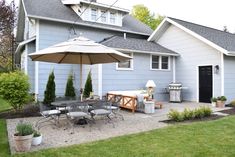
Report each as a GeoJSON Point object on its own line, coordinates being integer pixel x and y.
{"type": "Point", "coordinates": [7, 25]}
{"type": "Point", "coordinates": [88, 86]}
{"type": "Point", "coordinates": [143, 14]}
{"type": "Point", "coordinates": [70, 91]}
{"type": "Point", "coordinates": [49, 94]}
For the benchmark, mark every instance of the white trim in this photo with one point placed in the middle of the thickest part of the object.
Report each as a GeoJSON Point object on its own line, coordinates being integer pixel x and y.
{"type": "Point", "coordinates": [131, 64]}
{"type": "Point", "coordinates": [147, 52]}
{"type": "Point", "coordinates": [157, 29]}
{"type": "Point", "coordinates": [26, 60]}
{"type": "Point", "coordinates": [37, 62]}
{"type": "Point", "coordinates": [197, 80]}
{"type": "Point", "coordinates": [160, 63]}
{"type": "Point", "coordinates": [222, 73]}
{"type": "Point", "coordinates": [23, 43]}
{"type": "Point", "coordinates": [174, 74]}
{"type": "Point", "coordinates": [85, 24]}
{"type": "Point", "coordinates": [100, 80]}
{"type": "Point", "coordinates": [191, 33]}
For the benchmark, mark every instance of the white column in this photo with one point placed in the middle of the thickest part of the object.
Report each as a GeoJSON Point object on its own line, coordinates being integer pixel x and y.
{"type": "Point", "coordinates": [100, 82]}
{"type": "Point", "coordinates": [222, 73]}
{"type": "Point", "coordinates": [174, 78]}
{"type": "Point", "coordinates": [37, 63]}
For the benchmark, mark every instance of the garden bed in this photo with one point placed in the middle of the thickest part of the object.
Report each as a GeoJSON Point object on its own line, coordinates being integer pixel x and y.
{"type": "Point", "coordinates": [229, 111]}
{"type": "Point", "coordinates": [30, 110]}
{"type": "Point", "coordinates": [212, 117]}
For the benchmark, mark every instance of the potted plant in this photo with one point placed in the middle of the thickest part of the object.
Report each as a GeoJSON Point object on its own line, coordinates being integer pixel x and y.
{"type": "Point", "coordinates": [37, 138]}
{"type": "Point", "coordinates": [213, 101]}
{"type": "Point", "coordinates": [221, 101]}
{"type": "Point", "coordinates": [23, 137]}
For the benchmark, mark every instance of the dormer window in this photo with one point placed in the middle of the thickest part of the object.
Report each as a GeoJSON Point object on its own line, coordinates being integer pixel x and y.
{"type": "Point", "coordinates": [103, 16]}
{"type": "Point", "coordinates": [93, 14]}
{"type": "Point", "coordinates": [112, 18]}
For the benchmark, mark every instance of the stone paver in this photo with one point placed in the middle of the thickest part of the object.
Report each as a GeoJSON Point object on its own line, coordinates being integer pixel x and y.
{"type": "Point", "coordinates": [133, 123]}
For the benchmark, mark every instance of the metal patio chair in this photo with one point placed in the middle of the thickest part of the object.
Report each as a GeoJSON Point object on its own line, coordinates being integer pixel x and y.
{"type": "Point", "coordinates": [101, 108]}
{"type": "Point", "coordinates": [48, 115]}
{"type": "Point", "coordinates": [115, 106]}
{"type": "Point", "coordinates": [78, 111]}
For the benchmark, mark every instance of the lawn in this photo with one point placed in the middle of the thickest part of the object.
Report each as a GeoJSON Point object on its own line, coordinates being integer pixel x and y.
{"type": "Point", "coordinates": [4, 105]}
{"type": "Point", "coordinates": [201, 139]}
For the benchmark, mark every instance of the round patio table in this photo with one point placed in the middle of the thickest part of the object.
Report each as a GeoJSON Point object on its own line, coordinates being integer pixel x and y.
{"type": "Point", "coordinates": [64, 103]}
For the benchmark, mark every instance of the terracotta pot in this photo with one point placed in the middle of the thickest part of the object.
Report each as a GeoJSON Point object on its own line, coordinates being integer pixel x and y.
{"type": "Point", "coordinates": [37, 140]}
{"type": "Point", "coordinates": [23, 143]}
{"type": "Point", "coordinates": [220, 104]}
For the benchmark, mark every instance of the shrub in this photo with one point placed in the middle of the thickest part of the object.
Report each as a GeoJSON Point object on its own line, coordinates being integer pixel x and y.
{"type": "Point", "coordinates": [49, 94]}
{"type": "Point", "coordinates": [188, 114]}
{"type": "Point", "coordinates": [14, 87]}
{"type": "Point", "coordinates": [214, 99]}
{"type": "Point", "coordinates": [70, 91]}
{"type": "Point", "coordinates": [88, 86]}
{"type": "Point", "coordinates": [36, 133]}
{"type": "Point", "coordinates": [24, 129]}
{"type": "Point", "coordinates": [222, 98]}
{"type": "Point", "coordinates": [175, 115]}
{"type": "Point", "coordinates": [233, 103]}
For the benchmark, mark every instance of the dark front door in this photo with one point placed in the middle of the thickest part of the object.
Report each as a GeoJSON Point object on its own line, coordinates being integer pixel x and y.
{"type": "Point", "coordinates": [205, 83]}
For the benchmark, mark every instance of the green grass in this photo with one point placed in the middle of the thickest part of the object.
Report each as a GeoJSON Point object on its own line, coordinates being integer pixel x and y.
{"type": "Point", "coordinates": [4, 147]}
{"type": "Point", "coordinates": [4, 105]}
{"type": "Point", "coordinates": [201, 139]}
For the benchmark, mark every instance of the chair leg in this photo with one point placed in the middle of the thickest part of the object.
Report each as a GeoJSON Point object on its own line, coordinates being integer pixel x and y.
{"type": "Point", "coordinates": [110, 120]}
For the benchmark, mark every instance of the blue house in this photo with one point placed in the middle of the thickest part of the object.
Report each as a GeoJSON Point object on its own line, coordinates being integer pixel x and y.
{"type": "Point", "coordinates": [199, 57]}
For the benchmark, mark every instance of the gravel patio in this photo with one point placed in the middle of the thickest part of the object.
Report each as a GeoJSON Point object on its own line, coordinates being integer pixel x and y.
{"type": "Point", "coordinates": [133, 123]}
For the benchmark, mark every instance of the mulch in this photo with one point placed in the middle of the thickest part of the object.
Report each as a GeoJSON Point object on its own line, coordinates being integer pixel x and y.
{"type": "Point", "coordinates": [212, 117]}
{"type": "Point", "coordinates": [229, 111]}
{"type": "Point", "coordinates": [30, 110]}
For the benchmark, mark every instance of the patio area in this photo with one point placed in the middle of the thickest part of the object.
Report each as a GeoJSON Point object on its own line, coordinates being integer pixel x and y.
{"type": "Point", "coordinates": [133, 123]}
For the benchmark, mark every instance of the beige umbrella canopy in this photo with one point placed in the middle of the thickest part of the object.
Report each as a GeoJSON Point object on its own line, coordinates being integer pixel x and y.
{"type": "Point", "coordinates": [79, 51]}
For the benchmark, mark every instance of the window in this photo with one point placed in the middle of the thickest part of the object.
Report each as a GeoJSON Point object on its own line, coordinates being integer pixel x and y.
{"type": "Point", "coordinates": [159, 62]}
{"type": "Point", "coordinates": [103, 16]}
{"type": "Point", "coordinates": [93, 14]}
{"type": "Point", "coordinates": [127, 65]}
{"type": "Point", "coordinates": [112, 18]}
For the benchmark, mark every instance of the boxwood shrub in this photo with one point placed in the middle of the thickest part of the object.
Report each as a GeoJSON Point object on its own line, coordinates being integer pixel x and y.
{"type": "Point", "coordinates": [14, 88]}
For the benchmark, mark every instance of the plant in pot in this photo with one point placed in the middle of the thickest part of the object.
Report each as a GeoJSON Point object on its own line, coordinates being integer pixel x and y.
{"type": "Point", "coordinates": [213, 101]}
{"type": "Point", "coordinates": [37, 138]}
{"type": "Point", "coordinates": [221, 101]}
{"type": "Point", "coordinates": [23, 137]}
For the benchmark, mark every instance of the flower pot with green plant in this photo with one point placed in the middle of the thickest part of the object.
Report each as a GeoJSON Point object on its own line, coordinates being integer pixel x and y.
{"type": "Point", "coordinates": [37, 138]}
{"type": "Point", "coordinates": [213, 101]}
{"type": "Point", "coordinates": [221, 101]}
{"type": "Point", "coordinates": [23, 137]}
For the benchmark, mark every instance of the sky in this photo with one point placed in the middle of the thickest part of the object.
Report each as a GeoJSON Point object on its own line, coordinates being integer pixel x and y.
{"type": "Point", "coordinates": [212, 13]}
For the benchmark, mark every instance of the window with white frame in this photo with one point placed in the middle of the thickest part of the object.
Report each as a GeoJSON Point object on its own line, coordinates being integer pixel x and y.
{"type": "Point", "coordinates": [160, 62]}
{"type": "Point", "coordinates": [126, 65]}
{"type": "Point", "coordinates": [103, 16]}
{"type": "Point", "coordinates": [93, 14]}
{"type": "Point", "coordinates": [112, 18]}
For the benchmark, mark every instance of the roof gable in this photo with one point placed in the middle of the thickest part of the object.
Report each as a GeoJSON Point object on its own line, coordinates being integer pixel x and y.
{"type": "Point", "coordinates": [220, 40]}
{"type": "Point", "coordinates": [55, 10]}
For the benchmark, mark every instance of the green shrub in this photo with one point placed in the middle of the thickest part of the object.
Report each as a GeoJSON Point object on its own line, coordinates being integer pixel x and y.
{"type": "Point", "coordinates": [88, 86]}
{"type": "Point", "coordinates": [222, 98]}
{"type": "Point", "coordinates": [233, 103]}
{"type": "Point", "coordinates": [49, 94]}
{"type": "Point", "coordinates": [70, 91]}
{"type": "Point", "coordinates": [188, 114]}
{"type": "Point", "coordinates": [36, 133]}
{"type": "Point", "coordinates": [214, 99]}
{"type": "Point", "coordinates": [24, 129]}
{"type": "Point", "coordinates": [175, 115]}
{"type": "Point", "coordinates": [14, 88]}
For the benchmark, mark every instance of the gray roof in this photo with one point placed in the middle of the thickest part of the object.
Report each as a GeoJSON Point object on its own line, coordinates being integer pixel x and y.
{"type": "Point", "coordinates": [221, 38]}
{"type": "Point", "coordinates": [55, 9]}
{"type": "Point", "coordinates": [136, 44]}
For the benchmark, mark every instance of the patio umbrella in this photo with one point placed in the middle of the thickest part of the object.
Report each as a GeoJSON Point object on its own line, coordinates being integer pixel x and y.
{"type": "Point", "coordinates": [79, 51]}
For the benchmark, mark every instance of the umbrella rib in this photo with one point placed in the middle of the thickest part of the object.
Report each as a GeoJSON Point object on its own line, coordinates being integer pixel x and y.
{"type": "Point", "coordinates": [36, 57]}
{"type": "Point", "coordinates": [63, 57]}
{"type": "Point", "coordinates": [114, 58]}
{"type": "Point", "coordinates": [89, 58]}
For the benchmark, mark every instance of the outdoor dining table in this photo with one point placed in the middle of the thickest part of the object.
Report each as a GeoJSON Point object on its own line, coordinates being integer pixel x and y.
{"type": "Point", "coordinates": [64, 103]}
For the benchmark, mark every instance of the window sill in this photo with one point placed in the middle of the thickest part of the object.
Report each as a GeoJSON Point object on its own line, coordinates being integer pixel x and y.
{"type": "Point", "coordinates": [167, 70]}
{"type": "Point", "coordinates": [124, 69]}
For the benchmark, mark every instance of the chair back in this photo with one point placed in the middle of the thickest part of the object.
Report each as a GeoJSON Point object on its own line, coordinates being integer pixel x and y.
{"type": "Point", "coordinates": [101, 104]}
{"type": "Point", "coordinates": [78, 107]}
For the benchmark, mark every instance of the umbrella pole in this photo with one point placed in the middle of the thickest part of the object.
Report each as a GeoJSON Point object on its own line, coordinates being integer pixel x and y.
{"type": "Point", "coordinates": [81, 90]}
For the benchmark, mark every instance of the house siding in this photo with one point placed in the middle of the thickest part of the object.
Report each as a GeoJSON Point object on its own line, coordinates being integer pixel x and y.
{"type": "Point", "coordinates": [229, 77]}
{"type": "Point", "coordinates": [51, 33]}
{"type": "Point", "coordinates": [137, 78]}
{"type": "Point", "coordinates": [31, 66]}
{"type": "Point", "coordinates": [193, 53]}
